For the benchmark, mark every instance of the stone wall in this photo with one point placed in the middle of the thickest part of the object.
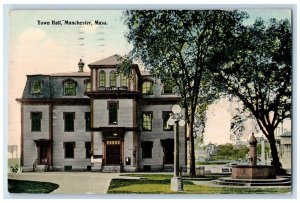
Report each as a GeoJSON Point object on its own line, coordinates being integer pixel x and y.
{"type": "Point", "coordinates": [156, 135]}
{"type": "Point", "coordinates": [29, 146]}
{"type": "Point", "coordinates": [79, 136]}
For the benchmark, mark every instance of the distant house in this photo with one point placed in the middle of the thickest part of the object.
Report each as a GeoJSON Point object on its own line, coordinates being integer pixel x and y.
{"type": "Point", "coordinates": [98, 120]}
{"type": "Point", "coordinates": [201, 155]}
{"type": "Point", "coordinates": [211, 149]}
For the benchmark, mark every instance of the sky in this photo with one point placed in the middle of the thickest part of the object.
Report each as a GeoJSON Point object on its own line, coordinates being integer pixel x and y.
{"type": "Point", "coordinates": [42, 49]}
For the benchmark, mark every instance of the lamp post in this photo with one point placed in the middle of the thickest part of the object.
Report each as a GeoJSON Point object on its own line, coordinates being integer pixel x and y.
{"type": "Point", "coordinates": [176, 119]}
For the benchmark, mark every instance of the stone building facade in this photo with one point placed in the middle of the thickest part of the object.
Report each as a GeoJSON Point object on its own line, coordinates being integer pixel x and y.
{"type": "Point", "coordinates": [98, 120]}
{"type": "Point", "coordinates": [285, 150]}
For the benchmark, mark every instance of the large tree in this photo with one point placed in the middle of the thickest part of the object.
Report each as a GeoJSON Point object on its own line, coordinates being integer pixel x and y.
{"type": "Point", "coordinates": [177, 47]}
{"type": "Point", "coordinates": [259, 74]}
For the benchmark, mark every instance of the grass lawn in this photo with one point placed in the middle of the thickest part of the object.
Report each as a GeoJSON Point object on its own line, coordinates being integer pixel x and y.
{"type": "Point", "coordinates": [160, 184]}
{"type": "Point", "coordinates": [23, 186]}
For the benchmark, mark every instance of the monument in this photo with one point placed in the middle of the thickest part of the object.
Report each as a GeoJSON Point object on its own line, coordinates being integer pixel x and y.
{"type": "Point", "coordinates": [253, 171]}
{"type": "Point", "coordinates": [253, 174]}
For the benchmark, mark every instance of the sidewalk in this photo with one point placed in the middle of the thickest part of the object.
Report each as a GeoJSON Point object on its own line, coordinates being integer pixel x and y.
{"type": "Point", "coordinates": [72, 182]}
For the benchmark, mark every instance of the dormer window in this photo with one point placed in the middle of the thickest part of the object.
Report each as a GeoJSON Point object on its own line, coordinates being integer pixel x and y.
{"type": "Point", "coordinates": [36, 87]}
{"type": "Point", "coordinates": [113, 79]}
{"type": "Point", "coordinates": [87, 85]}
{"type": "Point", "coordinates": [69, 87]}
{"type": "Point", "coordinates": [147, 87]}
{"type": "Point", "coordinates": [102, 79]}
{"type": "Point", "coordinates": [124, 81]}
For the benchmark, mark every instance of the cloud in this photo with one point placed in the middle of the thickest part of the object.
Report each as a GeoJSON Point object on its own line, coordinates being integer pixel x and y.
{"type": "Point", "coordinates": [32, 36]}
{"type": "Point", "coordinates": [33, 49]}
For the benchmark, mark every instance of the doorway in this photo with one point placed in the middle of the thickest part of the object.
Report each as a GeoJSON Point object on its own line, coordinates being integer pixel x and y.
{"type": "Point", "coordinates": [43, 158]}
{"type": "Point", "coordinates": [113, 152]}
{"type": "Point", "coordinates": [168, 149]}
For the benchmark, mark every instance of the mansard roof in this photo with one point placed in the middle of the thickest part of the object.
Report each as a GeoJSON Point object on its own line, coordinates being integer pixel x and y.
{"type": "Point", "coordinates": [72, 74]}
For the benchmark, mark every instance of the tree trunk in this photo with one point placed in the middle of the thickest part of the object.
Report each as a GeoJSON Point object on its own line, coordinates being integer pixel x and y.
{"type": "Point", "coordinates": [275, 162]}
{"type": "Point", "coordinates": [192, 149]}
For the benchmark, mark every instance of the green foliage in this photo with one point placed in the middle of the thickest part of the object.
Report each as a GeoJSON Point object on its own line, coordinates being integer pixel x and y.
{"type": "Point", "coordinates": [267, 148]}
{"type": "Point", "coordinates": [231, 152]}
{"type": "Point", "coordinates": [260, 71]}
{"type": "Point", "coordinates": [257, 68]}
{"type": "Point", "coordinates": [13, 164]}
{"type": "Point", "coordinates": [13, 161]}
{"type": "Point", "coordinates": [178, 47]}
{"type": "Point", "coordinates": [23, 186]}
{"type": "Point", "coordinates": [150, 176]}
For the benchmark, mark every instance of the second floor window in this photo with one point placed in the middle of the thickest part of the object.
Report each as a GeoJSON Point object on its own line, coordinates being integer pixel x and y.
{"type": "Point", "coordinates": [124, 81]}
{"type": "Point", "coordinates": [168, 89]}
{"type": "Point", "coordinates": [147, 121]}
{"type": "Point", "coordinates": [113, 79]}
{"type": "Point", "coordinates": [36, 87]}
{"type": "Point", "coordinates": [69, 88]}
{"type": "Point", "coordinates": [166, 115]}
{"type": "Point", "coordinates": [147, 88]}
{"type": "Point", "coordinates": [36, 118]}
{"type": "Point", "coordinates": [102, 79]}
{"type": "Point", "coordinates": [113, 112]}
{"type": "Point", "coordinates": [87, 121]}
{"type": "Point", "coordinates": [69, 121]}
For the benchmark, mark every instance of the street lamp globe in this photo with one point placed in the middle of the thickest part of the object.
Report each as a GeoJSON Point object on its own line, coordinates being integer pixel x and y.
{"type": "Point", "coordinates": [171, 121]}
{"type": "Point", "coordinates": [176, 109]}
{"type": "Point", "coordinates": [181, 123]}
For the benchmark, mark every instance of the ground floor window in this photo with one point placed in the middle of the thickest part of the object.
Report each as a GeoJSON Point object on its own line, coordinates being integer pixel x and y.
{"type": "Point", "coordinates": [87, 121]}
{"type": "Point", "coordinates": [69, 149]}
{"type": "Point", "coordinates": [147, 149]}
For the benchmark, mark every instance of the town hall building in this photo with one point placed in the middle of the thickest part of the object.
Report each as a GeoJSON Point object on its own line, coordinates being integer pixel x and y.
{"type": "Point", "coordinates": [98, 120]}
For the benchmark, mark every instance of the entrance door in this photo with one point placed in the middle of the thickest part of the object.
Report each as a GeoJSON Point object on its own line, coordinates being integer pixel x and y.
{"type": "Point", "coordinates": [113, 152]}
{"type": "Point", "coordinates": [43, 154]}
{"type": "Point", "coordinates": [168, 146]}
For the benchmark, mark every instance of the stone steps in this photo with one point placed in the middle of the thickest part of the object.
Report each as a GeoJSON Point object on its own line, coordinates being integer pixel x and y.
{"type": "Point", "coordinates": [168, 168]}
{"type": "Point", "coordinates": [41, 168]}
{"type": "Point", "coordinates": [112, 169]}
{"type": "Point", "coordinates": [281, 181]}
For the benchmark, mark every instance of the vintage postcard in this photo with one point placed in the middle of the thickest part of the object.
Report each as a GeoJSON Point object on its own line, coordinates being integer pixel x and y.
{"type": "Point", "coordinates": [150, 101]}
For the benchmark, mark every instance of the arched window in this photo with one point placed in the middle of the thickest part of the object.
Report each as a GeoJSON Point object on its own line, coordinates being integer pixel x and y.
{"type": "Point", "coordinates": [69, 87]}
{"type": "Point", "coordinates": [124, 81]}
{"type": "Point", "coordinates": [147, 87]}
{"type": "Point", "coordinates": [102, 79]}
{"type": "Point", "coordinates": [87, 85]}
{"type": "Point", "coordinates": [113, 79]}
